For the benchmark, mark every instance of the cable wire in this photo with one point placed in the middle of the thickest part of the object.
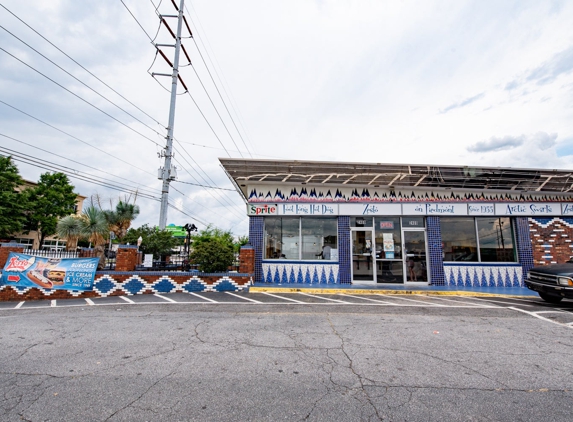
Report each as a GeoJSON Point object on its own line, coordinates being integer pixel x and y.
{"type": "Point", "coordinates": [77, 96]}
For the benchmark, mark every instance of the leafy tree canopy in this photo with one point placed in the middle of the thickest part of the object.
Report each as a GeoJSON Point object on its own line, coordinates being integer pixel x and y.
{"type": "Point", "coordinates": [52, 199]}
{"type": "Point", "coordinates": [212, 255]}
{"type": "Point", "coordinates": [224, 236]}
{"type": "Point", "coordinates": [155, 241]}
{"type": "Point", "coordinates": [12, 202]}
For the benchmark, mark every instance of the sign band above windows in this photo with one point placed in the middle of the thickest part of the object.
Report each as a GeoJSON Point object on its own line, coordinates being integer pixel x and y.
{"type": "Point", "coordinates": [522, 209]}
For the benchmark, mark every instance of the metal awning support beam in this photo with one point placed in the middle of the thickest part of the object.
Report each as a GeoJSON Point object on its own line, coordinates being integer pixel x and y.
{"type": "Point", "coordinates": [349, 180]}
{"type": "Point", "coordinates": [543, 184]}
{"type": "Point", "coordinates": [394, 179]}
{"type": "Point", "coordinates": [420, 180]}
{"type": "Point", "coordinates": [328, 178]}
{"type": "Point", "coordinates": [376, 177]}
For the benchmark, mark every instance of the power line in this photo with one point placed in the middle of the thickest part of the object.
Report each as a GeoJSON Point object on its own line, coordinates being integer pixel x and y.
{"type": "Point", "coordinates": [76, 62]}
{"type": "Point", "coordinates": [204, 186]}
{"type": "Point", "coordinates": [76, 138]}
{"type": "Point", "coordinates": [73, 161]}
{"type": "Point", "coordinates": [83, 83]}
{"type": "Point", "coordinates": [77, 96]}
{"type": "Point", "coordinates": [220, 79]}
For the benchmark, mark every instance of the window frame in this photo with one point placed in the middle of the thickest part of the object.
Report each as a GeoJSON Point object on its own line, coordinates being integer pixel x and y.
{"type": "Point", "coordinates": [300, 246]}
{"type": "Point", "coordinates": [478, 244]}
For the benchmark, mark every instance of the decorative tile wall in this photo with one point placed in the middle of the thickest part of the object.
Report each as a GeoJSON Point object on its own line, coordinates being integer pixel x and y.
{"type": "Point", "coordinates": [437, 277]}
{"type": "Point", "coordinates": [523, 243]}
{"type": "Point", "coordinates": [256, 229]}
{"type": "Point", "coordinates": [291, 272]}
{"type": "Point", "coordinates": [484, 275]}
{"type": "Point", "coordinates": [550, 239]}
{"type": "Point", "coordinates": [344, 254]}
{"type": "Point", "coordinates": [129, 283]}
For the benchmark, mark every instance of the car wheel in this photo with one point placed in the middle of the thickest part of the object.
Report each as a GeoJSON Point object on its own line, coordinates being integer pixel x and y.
{"type": "Point", "coordinates": [550, 298]}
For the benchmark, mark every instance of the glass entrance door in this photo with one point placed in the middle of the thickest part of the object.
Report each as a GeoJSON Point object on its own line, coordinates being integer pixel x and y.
{"type": "Point", "coordinates": [415, 267]}
{"type": "Point", "coordinates": [362, 262]}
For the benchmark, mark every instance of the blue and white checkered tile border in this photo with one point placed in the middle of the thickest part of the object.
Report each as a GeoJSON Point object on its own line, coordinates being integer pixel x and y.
{"type": "Point", "coordinates": [308, 273]}
{"type": "Point", "coordinates": [484, 275]}
{"type": "Point", "coordinates": [46, 292]}
{"type": "Point", "coordinates": [135, 285]}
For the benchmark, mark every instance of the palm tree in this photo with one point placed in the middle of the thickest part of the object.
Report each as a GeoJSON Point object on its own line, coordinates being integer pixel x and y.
{"type": "Point", "coordinates": [95, 228]}
{"type": "Point", "coordinates": [70, 229]}
{"type": "Point", "coordinates": [120, 219]}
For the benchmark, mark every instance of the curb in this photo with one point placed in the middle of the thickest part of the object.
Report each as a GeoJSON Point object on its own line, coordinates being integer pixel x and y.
{"type": "Point", "coordinates": [253, 289]}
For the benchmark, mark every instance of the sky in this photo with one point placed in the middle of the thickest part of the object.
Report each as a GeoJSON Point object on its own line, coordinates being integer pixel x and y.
{"type": "Point", "coordinates": [483, 83]}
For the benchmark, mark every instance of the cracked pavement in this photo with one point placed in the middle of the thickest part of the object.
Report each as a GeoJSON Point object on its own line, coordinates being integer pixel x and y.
{"type": "Point", "coordinates": [312, 363]}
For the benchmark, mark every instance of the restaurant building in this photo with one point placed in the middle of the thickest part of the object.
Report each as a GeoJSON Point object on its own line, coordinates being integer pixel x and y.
{"type": "Point", "coordinates": [329, 222]}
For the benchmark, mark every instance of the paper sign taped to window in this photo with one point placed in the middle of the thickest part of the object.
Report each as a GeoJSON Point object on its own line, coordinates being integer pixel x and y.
{"type": "Point", "coordinates": [388, 239]}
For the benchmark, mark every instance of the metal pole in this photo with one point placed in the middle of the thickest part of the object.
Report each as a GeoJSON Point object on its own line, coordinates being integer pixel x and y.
{"type": "Point", "coordinates": [169, 147]}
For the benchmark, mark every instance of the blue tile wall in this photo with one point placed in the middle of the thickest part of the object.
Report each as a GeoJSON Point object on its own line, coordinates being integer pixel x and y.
{"type": "Point", "coordinates": [523, 240]}
{"type": "Point", "coordinates": [256, 227]}
{"type": "Point", "coordinates": [437, 277]}
{"type": "Point", "coordinates": [344, 258]}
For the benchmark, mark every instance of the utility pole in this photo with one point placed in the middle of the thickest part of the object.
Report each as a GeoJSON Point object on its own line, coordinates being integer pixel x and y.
{"type": "Point", "coordinates": [167, 175]}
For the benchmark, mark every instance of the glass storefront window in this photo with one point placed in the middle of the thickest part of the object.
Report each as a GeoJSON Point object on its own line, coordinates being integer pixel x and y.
{"type": "Point", "coordinates": [282, 238]}
{"type": "Point", "coordinates": [295, 238]}
{"type": "Point", "coordinates": [388, 238]}
{"type": "Point", "coordinates": [319, 238]}
{"type": "Point", "coordinates": [483, 239]}
{"type": "Point", "coordinates": [495, 239]}
{"type": "Point", "coordinates": [459, 239]}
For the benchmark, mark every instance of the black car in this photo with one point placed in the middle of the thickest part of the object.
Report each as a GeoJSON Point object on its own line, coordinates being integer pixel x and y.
{"type": "Point", "coordinates": [552, 282]}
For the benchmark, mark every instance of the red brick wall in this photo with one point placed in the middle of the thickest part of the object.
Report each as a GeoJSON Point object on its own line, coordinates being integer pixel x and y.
{"type": "Point", "coordinates": [126, 259]}
{"type": "Point", "coordinates": [247, 260]}
{"type": "Point", "coordinates": [551, 241]}
{"type": "Point", "coordinates": [5, 251]}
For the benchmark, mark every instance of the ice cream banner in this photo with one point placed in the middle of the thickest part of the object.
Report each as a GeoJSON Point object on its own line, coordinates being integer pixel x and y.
{"type": "Point", "coordinates": [49, 273]}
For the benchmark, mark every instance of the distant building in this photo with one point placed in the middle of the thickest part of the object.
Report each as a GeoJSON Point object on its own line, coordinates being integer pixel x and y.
{"type": "Point", "coordinates": [51, 242]}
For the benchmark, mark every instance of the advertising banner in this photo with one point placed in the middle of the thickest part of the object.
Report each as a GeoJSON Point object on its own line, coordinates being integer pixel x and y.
{"type": "Point", "coordinates": [49, 273]}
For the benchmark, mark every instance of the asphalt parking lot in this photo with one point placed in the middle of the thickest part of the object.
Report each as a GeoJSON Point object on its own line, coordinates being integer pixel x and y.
{"type": "Point", "coordinates": [258, 356]}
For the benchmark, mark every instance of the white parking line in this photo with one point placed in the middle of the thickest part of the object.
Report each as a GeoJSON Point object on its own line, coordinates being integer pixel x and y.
{"type": "Point", "coordinates": [284, 298]}
{"type": "Point", "coordinates": [53, 303]}
{"type": "Point", "coordinates": [324, 298]}
{"type": "Point", "coordinates": [459, 302]}
{"type": "Point", "coordinates": [164, 298]}
{"type": "Point", "coordinates": [19, 305]}
{"type": "Point", "coordinates": [414, 300]}
{"type": "Point", "coordinates": [241, 297]}
{"type": "Point", "coordinates": [370, 299]}
{"type": "Point", "coordinates": [126, 299]}
{"type": "Point", "coordinates": [533, 314]}
{"type": "Point", "coordinates": [204, 298]}
{"type": "Point", "coordinates": [89, 301]}
{"type": "Point", "coordinates": [493, 299]}
{"type": "Point", "coordinates": [549, 312]}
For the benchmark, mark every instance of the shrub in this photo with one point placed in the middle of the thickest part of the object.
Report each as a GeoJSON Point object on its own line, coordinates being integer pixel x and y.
{"type": "Point", "coordinates": [212, 255]}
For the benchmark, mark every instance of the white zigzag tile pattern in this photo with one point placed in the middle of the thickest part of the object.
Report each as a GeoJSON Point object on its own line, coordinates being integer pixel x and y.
{"type": "Point", "coordinates": [484, 275]}
{"type": "Point", "coordinates": [290, 273]}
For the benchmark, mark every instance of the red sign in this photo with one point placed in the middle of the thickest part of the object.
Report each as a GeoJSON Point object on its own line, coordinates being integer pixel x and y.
{"type": "Point", "coordinates": [15, 278]}
{"type": "Point", "coordinates": [389, 225]}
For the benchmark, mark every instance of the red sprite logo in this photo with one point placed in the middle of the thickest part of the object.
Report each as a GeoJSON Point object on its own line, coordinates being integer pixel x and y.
{"type": "Point", "coordinates": [17, 264]}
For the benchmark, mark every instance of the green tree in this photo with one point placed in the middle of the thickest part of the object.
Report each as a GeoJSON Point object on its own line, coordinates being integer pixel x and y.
{"type": "Point", "coordinates": [95, 228]}
{"type": "Point", "coordinates": [70, 229]}
{"type": "Point", "coordinates": [12, 202]}
{"type": "Point", "coordinates": [52, 199]}
{"type": "Point", "coordinates": [213, 255]}
{"type": "Point", "coordinates": [120, 219]}
{"type": "Point", "coordinates": [154, 241]}
{"type": "Point", "coordinates": [241, 241]}
{"type": "Point", "coordinates": [213, 233]}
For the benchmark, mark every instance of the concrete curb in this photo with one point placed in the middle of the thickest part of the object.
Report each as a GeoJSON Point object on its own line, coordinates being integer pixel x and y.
{"type": "Point", "coordinates": [379, 292]}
